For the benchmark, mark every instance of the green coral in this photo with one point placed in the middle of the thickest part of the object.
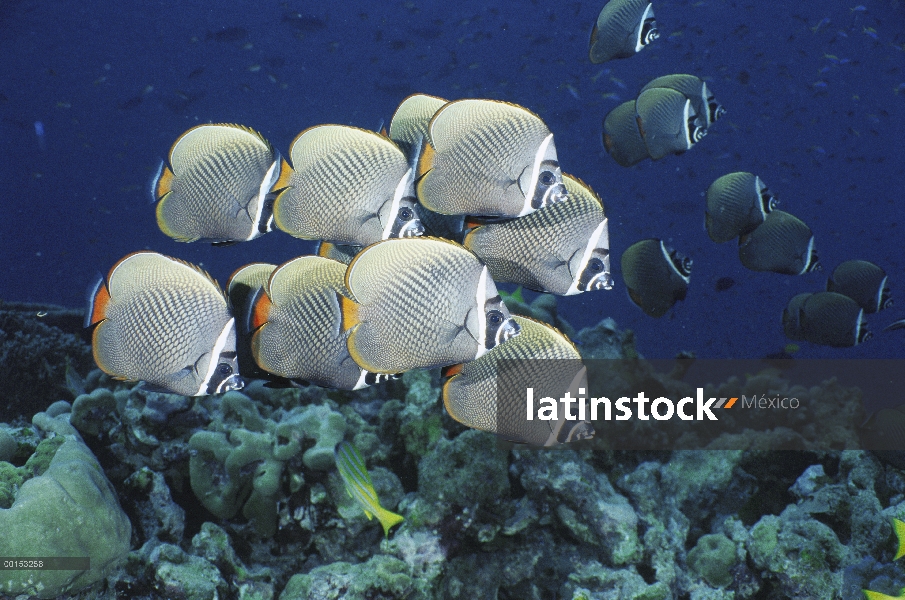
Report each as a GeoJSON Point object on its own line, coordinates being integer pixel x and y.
{"type": "Point", "coordinates": [91, 412]}
{"type": "Point", "coordinates": [242, 465]}
{"type": "Point", "coordinates": [712, 558]}
{"type": "Point", "coordinates": [66, 508]}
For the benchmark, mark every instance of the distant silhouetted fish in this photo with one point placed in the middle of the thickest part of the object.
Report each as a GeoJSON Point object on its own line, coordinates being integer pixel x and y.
{"type": "Point", "coordinates": [131, 103]}
{"type": "Point", "coordinates": [724, 283]}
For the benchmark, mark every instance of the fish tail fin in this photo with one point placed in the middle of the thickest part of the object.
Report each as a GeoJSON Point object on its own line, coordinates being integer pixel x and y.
{"type": "Point", "coordinates": [98, 299]}
{"type": "Point", "coordinates": [388, 520]}
{"type": "Point", "coordinates": [899, 527]}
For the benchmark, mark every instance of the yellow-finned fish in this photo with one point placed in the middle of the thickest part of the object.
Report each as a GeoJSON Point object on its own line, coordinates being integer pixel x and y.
{"type": "Point", "coordinates": [421, 303]}
{"type": "Point", "coordinates": [298, 326]}
{"type": "Point", "coordinates": [348, 186]}
{"type": "Point", "coordinates": [165, 322]}
{"type": "Point", "coordinates": [862, 281]}
{"type": "Point", "coordinates": [696, 90]}
{"type": "Point", "coordinates": [656, 276]}
{"type": "Point", "coordinates": [668, 122]}
{"type": "Point", "coordinates": [831, 319]}
{"type": "Point", "coordinates": [621, 136]}
{"type": "Point", "coordinates": [488, 158]}
{"type": "Point", "coordinates": [781, 244]}
{"type": "Point", "coordinates": [899, 527]}
{"type": "Point", "coordinates": [358, 483]}
{"type": "Point", "coordinates": [737, 204]}
{"type": "Point", "coordinates": [623, 28]}
{"type": "Point", "coordinates": [869, 595]}
{"type": "Point", "coordinates": [475, 394]}
{"type": "Point", "coordinates": [241, 288]}
{"type": "Point", "coordinates": [562, 249]}
{"type": "Point", "coordinates": [219, 186]}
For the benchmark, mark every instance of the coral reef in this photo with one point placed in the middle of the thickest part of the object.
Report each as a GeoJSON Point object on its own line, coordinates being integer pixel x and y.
{"type": "Point", "coordinates": [236, 496]}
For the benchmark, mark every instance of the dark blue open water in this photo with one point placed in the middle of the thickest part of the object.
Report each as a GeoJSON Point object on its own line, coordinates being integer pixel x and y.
{"type": "Point", "coordinates": [815, 93]}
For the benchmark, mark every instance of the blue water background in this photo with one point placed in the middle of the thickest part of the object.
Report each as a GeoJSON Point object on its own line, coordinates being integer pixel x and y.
{"type": "Point", "coordinates": [115, 83]}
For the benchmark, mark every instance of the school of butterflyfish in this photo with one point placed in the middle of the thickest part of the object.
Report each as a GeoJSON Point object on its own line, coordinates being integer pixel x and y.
{"type": "Point", "coordinates": [417, 224]}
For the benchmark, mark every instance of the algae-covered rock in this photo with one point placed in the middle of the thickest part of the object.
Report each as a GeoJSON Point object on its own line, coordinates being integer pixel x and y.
{"type": "Point", "coordinates": [380, 577]}
{"type": "Point", "coordinates": [803, 554]}
{"type": "Point", "coordinates": [66, 508]}
{"type": "Point", "coordinates": [420, 419]}
{"type": "Point", "coordinates": [470, 469]}
{"type": "Point", "coordinates": [212, 543]}
{"type": "Point", "coordinates": [472, 576]}
{"type": "Point", "coordinates": [159, 516]}
{"type": "Point", "coordinates": [181, 575]}
{"type": "Point", "coordinates": [592, 581]}
{"type": "Point", "coordinates": [712, 558]}
{"type": "Point", "coordinates": [584, 502]}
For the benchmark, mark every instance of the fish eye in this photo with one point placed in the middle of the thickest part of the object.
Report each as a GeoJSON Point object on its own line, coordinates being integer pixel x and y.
{"type": "Point", "coordinates": [406, 213]}
{"type": "Point", "coordinates": [495, 317]}
{"type": "Point", "coordinates": [547, 178]}
{"type": "Point", "coordinates": [224, 369]}
{"type": "Point", "coordinates": [595, 265]}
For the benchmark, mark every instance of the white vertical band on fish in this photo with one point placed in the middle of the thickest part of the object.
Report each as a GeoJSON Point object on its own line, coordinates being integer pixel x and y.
{"type": "Point", "coordinates": [219, 345]}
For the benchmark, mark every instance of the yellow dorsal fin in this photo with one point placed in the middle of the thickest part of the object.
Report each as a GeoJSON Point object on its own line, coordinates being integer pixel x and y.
{"type": "Point", "coordinates": [282, 181]}
{"type": "Point", "coordinates": [324, 249]}
{"type": "Point", "coordinates": [97, 307]}
{"type": "Point", "coordinates": [349, 310]}
{"type": "Point", "coordinates": [260, 312]}
{"type": "Point", "coordinates": [425, 159]}
{"type": "Point", "coordinates": [164, 183]}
